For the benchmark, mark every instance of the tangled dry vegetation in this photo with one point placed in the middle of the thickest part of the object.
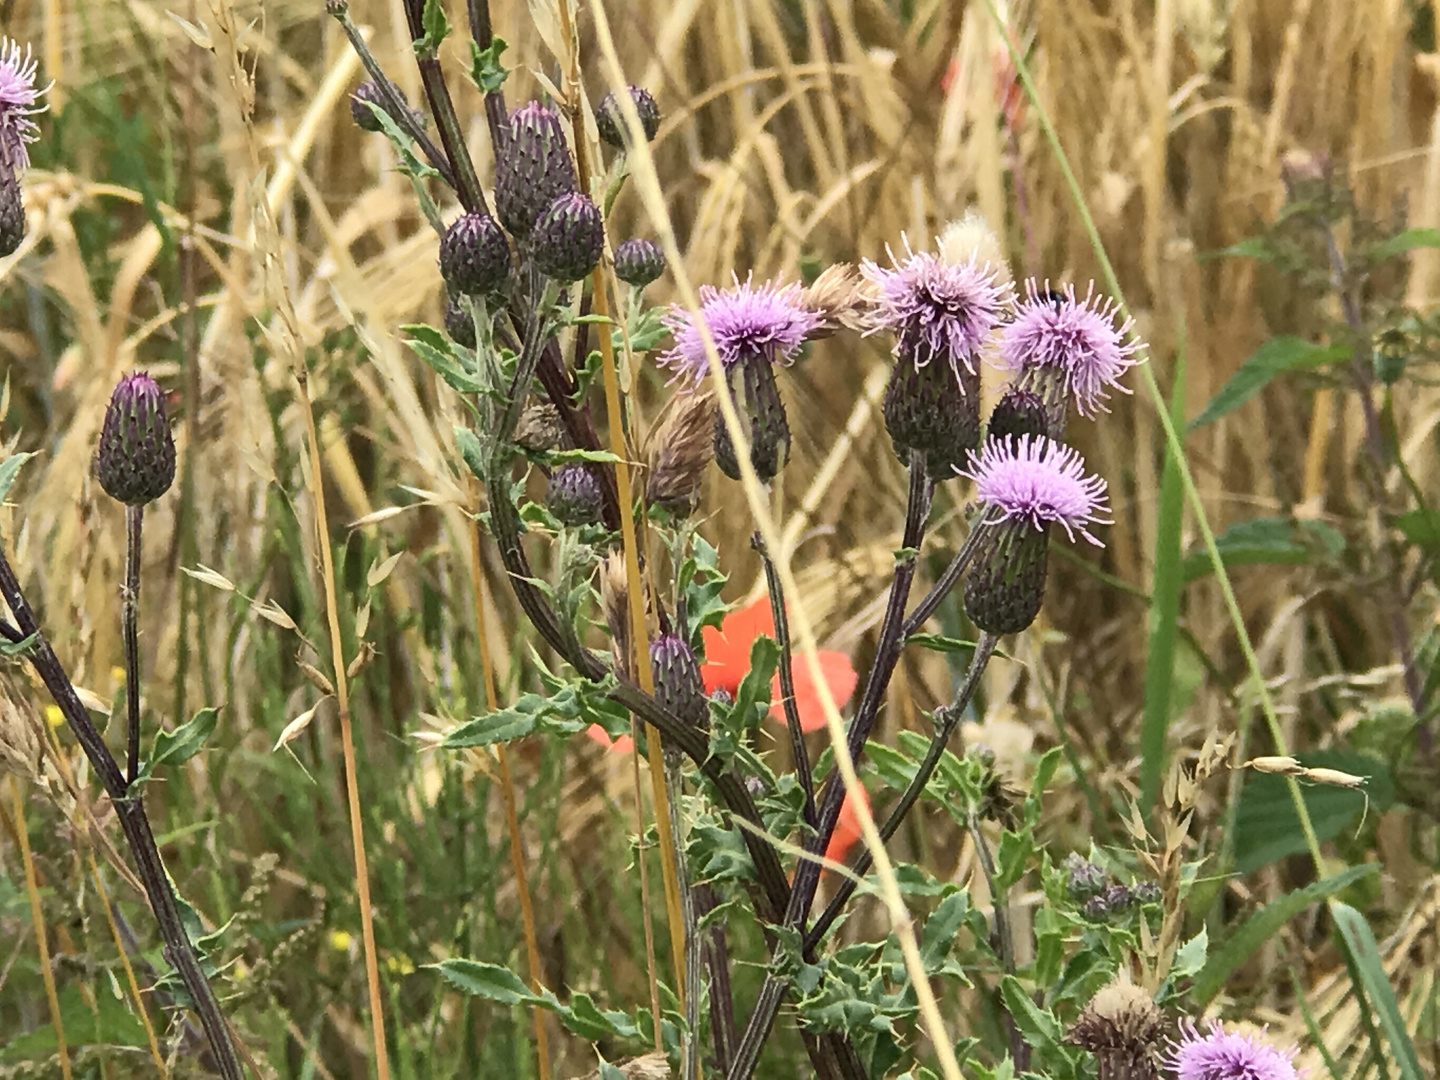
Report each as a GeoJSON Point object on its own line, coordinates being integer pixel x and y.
{"type": "Point", "coordinates": [184, 210]}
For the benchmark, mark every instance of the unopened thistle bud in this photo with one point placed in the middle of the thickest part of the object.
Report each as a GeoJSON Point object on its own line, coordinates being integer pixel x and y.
{"type": "Point", "coordinates": [569, 238]}
{"type": "Point", "coordinates": [942, 315]}
{"type": "Point", "coordinates": [367, 94]}
{"type": "Point", "coordinates": [1025, 487]}
{"type": "Point", "coordinates": [12, 213]}
{"type": "Point", "coordinates": [677, 453]}
{"type": "Point", "coordinates": [678, 686]}
{"type": "Point", "coordinates": [135, 461]}
{"type": "Point", "coordinates": [532, 168]}
{"type": "Point", "coordinates": [574, 496]}
{"type": "Point", "coordinates": [638, 262]}
{"type": "Point", "coordinates": [610, 121]}
{"type": "Point", "coordinates": [1122, 1027]}
{"type": "Point", "coordinates": [459, 325]}
{"type": "Point", "coordinates": [1083, 879]}
{"type": "Point", "coordinates": [762, 414]}
{"type": "Point", "coordinates": [474, 255]}
{"type": "Point", "coordinates": [1018, 413]}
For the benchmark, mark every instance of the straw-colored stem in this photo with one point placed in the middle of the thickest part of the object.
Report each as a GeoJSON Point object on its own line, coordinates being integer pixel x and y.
{"type": "Point", "coordinates": [37, 917]}
{"type": "Point", "coordinates": [512, 816]}
{"type": "Point", "coordinates": [347, 741]}
{"type": "Point", "coordinates": [161, 1070]}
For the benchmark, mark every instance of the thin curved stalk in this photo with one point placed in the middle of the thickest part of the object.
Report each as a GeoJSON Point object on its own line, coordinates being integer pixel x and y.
{"type": "Point", "coordinates": [130, 633]}
{"type": "Point", "coordinates": [787, 679]}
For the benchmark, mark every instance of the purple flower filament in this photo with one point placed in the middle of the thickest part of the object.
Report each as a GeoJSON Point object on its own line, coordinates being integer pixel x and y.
{"type": "Point", "coordinates": [1036, 480]}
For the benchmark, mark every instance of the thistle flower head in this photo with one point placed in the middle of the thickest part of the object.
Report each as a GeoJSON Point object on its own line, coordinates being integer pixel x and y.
{"type": "Point", "coordinates": [678, 686]}
{"type": "Point", "coordinates": [1036, 480]}
{"type": "Point", "coordinates": [745, 320]}
{"type": "Point", "coordinates": [532, 168]}
{"type": "Point", "coordinates": [937, 308]}
{"type": "Point", "coordinates": [610, 121]}
{"type": "Point", "coordinates": [574, 496]}
{"type": "Point", "coordinates": [12, 213]}
{"type": "Point", "coordinates": [638, 262]}
{"type": "Point", "coordinates": [569, 237]}
{"type": "Point", "coordinates": [474, 255]}
{"type": "Point", "coordinates": [1220, 1055]}
{"type": "Point", "coordinates": [1078, 339]}
{"type": "Point", "coordinates": [19, 101]}
{"type": "Point", "coordinates": [135, 461]}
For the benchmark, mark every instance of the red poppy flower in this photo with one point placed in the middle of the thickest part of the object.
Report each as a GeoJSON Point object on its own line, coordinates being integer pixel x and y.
{"type": "Point", "coordinates": [847, 828]}
{"type": "Point", "coordinates": [727, 659]}
{"type": "Point", "coordinates": [623, 745]}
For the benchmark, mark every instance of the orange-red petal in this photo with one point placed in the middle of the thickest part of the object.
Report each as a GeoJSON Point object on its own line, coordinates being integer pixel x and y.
{"type": "Point", "coordinates": [847, 828]}
{"type": "Point", "coordinates": [623, 745]}
{"type": "Point", "coordinates": [727, 649]}
{"type": "Point", "coordinates": [839, 675]}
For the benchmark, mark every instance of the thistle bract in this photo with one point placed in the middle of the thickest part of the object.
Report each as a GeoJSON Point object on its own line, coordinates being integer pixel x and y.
{"type": "Point", "coordinates": [569, 238]}
{"type": "Point", "coordinates": [574, 496]}
{"type": "Point", "coordinates": [19, 103]}
{"type": "Point", "coordinates": [135, 461]}
{"type": "Point", "coordinates": [678, 686]}
{"type": "Point", "coordinates": [638, 262]}
{"type": "Point", "coordinates": [532, 168]}
{"type": "Point", "coordinates": [1018, 413]}
{"type": "Point", "coordinates": [12, 213]}
{"type": "Point", "coordinates": [610, 121]}
{"type": "Point", "coordinates": [474, 255]}
{"type": "Point", "coordinates": [762, 413]}
{"type": "Point", "coordinates": [934, 407]}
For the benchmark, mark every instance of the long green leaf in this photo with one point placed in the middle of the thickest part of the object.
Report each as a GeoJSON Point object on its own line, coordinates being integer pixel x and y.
{"type": "Point", "coordinates": [1262, 925]}
{"type": "Point", "coordinates": [1275, 357]}
{"type": "Point", "coordinates": [1360, 941]}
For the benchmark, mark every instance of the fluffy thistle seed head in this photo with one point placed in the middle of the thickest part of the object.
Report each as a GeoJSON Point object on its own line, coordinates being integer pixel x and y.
{"type": "Point", "coordinates": [678, 686]}
{"type": "Point", "coordinates": [574, 496]}
{"type": "Point", "coordinates": [1217, 1054]}
{"type": "Point", "coordinates": [638, 262]}
{"type": "Point", "coordinates": [610, 121]}
{"type": "Point", "coordinates": [19, 104]}
{"type": "Point", "coordinates": [1076, 340]}
{"type": "Point", "coordinates": [766, 321]}
{"type": "Point", "coordinates": [1121, 1026]}
{"type": "Point", "coordinates": [569, 238]}
{"type": "Point", "coordinates": [838, 300]}
{"type": "Point", "coordinates": [135, 461]}
{"type": "Point", "coordinates": [678, 452]}
{"type": "Point", "coordinates": [532, 168]}
{"type": "Point", "coordinates": [12, 213]}
{"type": "Point", "coordinates": [474, 255]}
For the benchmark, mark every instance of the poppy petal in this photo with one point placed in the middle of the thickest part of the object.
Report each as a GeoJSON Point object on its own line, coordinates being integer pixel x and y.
{"type": "Point", "coordinates": [847, 828]}
{"type": "Point", "coordinates": [623, 745]}
{"type": "Point", "coordinates": [840, 677]}
{"type": "Point", "coordinates": [727, 649]}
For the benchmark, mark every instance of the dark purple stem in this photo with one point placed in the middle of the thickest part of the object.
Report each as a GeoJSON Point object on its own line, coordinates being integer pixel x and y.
{"type": "Point", "coordinates": [130, 633]}
{"type": "Point", "coordinates": [787, 678]}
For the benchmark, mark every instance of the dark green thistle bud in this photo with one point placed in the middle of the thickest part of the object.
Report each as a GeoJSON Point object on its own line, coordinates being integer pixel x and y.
{"type": "Point", "coordinates": [1020, 412]}
{"type": "Point", "coordinates": [474, 255]}
{"type": "Point", "coordinates": [934, 408]}
{"type": "Point", "coordinates": [1390, 355]}
{"type": "Point", "coordinates": [12, 212]}
{"type": "Point", "coordinates": [1006, 585]}
{"type": "Point", "coordinates": [610, 121]}
{"type": "Point", "coordinates": [574, 496]}
{"type": "Point", "coordinates": [757, 399]}
{"type": "Point", "coordinates": [459, 325]}
{"type": "Point", "coordinates": [533, 167]}
{"type": "Point", "coordinates": [678, 686]}
{"type": "Point", "coordinates": [1146, 892]}
{"type": "Point", "coordinates": [135, 461]}
{"type": "Point", "coordinates": [1083, 879]}
{"type": "Point", "coordinates": [638, 262]}
{"type": "Point", "coordinates": [367, 94]}
{"type": "Point", "coordinates": [569, 238]}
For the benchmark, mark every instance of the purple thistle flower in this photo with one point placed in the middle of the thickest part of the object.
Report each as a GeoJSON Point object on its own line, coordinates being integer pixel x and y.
{"type": "Point", "coordinates": [1036, 480]}
{"type": "Point", "coordinates": [19, 101]}
{"type": "Point", "coordinates": [745, 321]}
{"type": "Point", "coordinates": [1221, 1055]}
{"type": "Point", "coordinates": [1076, 338]}
{"type": "Point", "coordinates": [937, 308]}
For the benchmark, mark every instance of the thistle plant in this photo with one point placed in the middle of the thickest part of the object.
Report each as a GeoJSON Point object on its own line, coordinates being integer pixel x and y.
{"type": "Point", "coordinates": [20, 103]}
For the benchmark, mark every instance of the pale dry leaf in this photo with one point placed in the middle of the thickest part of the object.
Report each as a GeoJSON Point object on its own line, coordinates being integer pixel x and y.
{"type": "Point", "coordinates": [379, 572]}
{"type": "Point", "coordinates": [295, 727]}
{"type": "Point", "coordinates": [362, 620]}
{"type": "Point", "coordinates": [270, 611]}
{"type": "Point", "coordinates": [92, 701]}
{"type": "Point", "coordinates": [213, 578]}
{"type": "Point", "coordinates": [198, 33]}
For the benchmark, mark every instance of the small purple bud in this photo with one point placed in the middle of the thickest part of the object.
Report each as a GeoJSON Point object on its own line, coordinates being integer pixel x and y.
{"type": "Point", "coordinates": [1083, 879]}
{"type": "Point", "coordinates": [533, 168]}
{"type": "Point", "coordinates": [638, 262]}
{"type": "Point", "coordinates": [1096, 909]}
{"type": "Point", "coordinates": [574, 496]}
{"type": "Point", "coordinates": [610, 121]}
{"type": "Point", "coordinates": [459, 325]}
{"type": "Point", "coordinates": [135, 461]}
{"type": "Point", "coordinates": [1020, 412]}
{"type": "Point", "coordinates": [12, 213]}
{"type": "Point", "coordinates": [569, 238]}
{"type": "Point", "coordinates": [1147, 892]}
{"type": "Point", "coordinates": [474, 255]}
{"type": "Point", "coordinates": [678, 686]}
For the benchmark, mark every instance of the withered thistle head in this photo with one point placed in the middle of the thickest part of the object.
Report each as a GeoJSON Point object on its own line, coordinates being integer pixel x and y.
{"type": "Point", "coordinates": [615, 607]}
{"type": "Point", "coordinates": [678, 452]}
{"type": "Point", "coordinates": [532, 168]}
{"type": "Point", "coordinates": [610, 121]}
{"type": "Point", "coordinates": [135, 461]}
{"type": "Point", "coordinates": [1121, 1026]}
{"type": "Point", "coordinates": [569, 237]}
{"type": "Point", "coordinates": [474, 255]}
{"type": "Point", "coordinates": [838, 300]}
{"type": "Point", "coordinates": [540, 428]}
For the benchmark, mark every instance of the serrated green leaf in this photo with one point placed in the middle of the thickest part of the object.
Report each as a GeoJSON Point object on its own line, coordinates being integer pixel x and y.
{"type": "Point", "coordinates": [179, 746]}
{"type": "Point", "coordinates": [435, 351]}
{"type": "Point", "coordinates": [485, 68]}
{"type": "Point", "coordinates": [1276, 357]}
{"type": "Point", "coordinates": [9, 469]}
{"type": "Point", "coordinates": [570, 457]}
{"type": "Point", "coordinates": [940, 929]}
{"type": "Point", "coordinates": [471, 452]}
{"type": "Point", "coordinates": [1190, 957]}
{"type": "Point", "coordinates": [940, 643]}
{"type": "Point", "coordinates": [533, 711]}
{"type": "Point", "coordinates": [1262, 925]}
{"type": "Point", "coordinates": [436, 27]}
{"type": "Point", "coordinates": [489, 981]}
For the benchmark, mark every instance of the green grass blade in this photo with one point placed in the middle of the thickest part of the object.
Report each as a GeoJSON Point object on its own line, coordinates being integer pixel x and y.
{"type": "Point", "coordinates": [1164, 607]}
{"type": "Point", "coordinates": [1366, 964]}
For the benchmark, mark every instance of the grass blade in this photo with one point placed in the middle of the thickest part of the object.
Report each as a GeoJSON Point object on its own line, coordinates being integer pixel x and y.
{"type": "Point", "coordinates": [1365, 962]}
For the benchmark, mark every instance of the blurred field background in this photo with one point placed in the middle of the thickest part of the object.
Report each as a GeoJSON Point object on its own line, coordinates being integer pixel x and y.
{"type": "Point", "coordinates": [173, 221]}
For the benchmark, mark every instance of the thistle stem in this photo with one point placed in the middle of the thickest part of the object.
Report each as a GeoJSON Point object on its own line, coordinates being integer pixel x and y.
{"type": "Point", "coordinates": [787, 678]}
{"type": "Point", "coordinates": [130, 632]}
{"type": "Point", "coordinates": [1005, 945]}
{"type": "Point", "coordinates": [133, 822]}
{"type": "Point", "coordinates": [690, 1039]}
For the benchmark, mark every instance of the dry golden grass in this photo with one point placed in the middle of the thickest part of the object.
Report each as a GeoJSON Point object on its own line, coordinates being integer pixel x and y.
{"type": "Point", "coordinates": [793, 131]}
